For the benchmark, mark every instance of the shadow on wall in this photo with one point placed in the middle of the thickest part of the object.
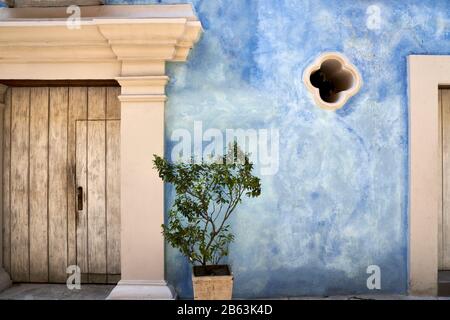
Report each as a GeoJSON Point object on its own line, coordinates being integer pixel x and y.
{"type": "Point", "coordinates": [319, 281]}
{"type": "Point", "coordinates": [300, 281]}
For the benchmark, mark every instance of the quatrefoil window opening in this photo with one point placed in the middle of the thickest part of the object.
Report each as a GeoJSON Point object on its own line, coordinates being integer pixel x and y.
{"type": "Point", "coordinates": [332, 80]}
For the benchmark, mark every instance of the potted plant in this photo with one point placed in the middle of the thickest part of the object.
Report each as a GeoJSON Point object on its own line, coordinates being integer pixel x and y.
{"type": "Point", "coordinates": [207, 194]}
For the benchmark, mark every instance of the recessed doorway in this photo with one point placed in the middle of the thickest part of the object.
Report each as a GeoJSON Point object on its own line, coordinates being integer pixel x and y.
{"type": "Point", "coordinates": [61, 183]}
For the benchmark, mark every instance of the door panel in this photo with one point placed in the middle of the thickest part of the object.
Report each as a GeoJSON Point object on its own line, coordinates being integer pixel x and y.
{"type": "Point", "coordinates": [98, 176]}
{"type": "Point", "coordinates": [57, 189]}
{"type": "Point", "coordinates": [55, 140]}
{"type": "Point", "coordinates": [19, 184]}
{"type": "Point", "coordinates": [113, 196]}
{"type": "Point", "coordinates": [96, 197]}
{"type": "Point", "coordinates": [81, 187]}
{"type": "Point", "coordinates": [38, 185]}
{"type": "Point", "coordinates": [77, 110]}
{"type": "Point", "coordinates": [7, 183]}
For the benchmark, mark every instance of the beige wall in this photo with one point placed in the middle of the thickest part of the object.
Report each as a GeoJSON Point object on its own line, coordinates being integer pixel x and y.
{"type": "Point", "coordinates": [426, 73]}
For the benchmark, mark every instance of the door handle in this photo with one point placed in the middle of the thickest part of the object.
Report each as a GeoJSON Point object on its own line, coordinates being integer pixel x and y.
{"type": "Point", "coordinates": [80, 198]}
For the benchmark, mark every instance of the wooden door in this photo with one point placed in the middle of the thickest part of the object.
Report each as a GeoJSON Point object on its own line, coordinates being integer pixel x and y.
{"type": "Point", "coordinates": [444, 218]}
{"type": "Point", "coordinates": [41, 222]}
{"type": "Point", "coordinates": [98, 199]}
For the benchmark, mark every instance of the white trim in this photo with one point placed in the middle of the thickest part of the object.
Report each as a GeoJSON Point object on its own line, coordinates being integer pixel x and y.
{"type": "Point", "coordinates": [143, 282]}
{"type": "Point", "coordinates": [142, 98]}
{"type": "Point", "coordinates": [426, 74]}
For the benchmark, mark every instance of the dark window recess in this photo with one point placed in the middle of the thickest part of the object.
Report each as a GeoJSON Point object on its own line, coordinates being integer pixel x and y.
{"type": "Point", "coordinates": [331, 79]}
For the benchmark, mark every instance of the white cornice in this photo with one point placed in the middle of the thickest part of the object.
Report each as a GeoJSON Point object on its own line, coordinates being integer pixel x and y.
{"type": "Point", "coordinates": [161, 34]}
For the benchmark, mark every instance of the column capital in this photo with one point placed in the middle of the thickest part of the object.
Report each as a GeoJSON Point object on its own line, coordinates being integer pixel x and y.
{"type": "Point", "coordinates": [142, 89]}
{"type": "Point", "coordinates": [143, 84]}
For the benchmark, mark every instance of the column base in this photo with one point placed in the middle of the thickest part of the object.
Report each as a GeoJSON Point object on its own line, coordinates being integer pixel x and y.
{"type": "Point", "coordinates": [5, 280]}
{"type": "Point", "coordinates": [142, 290]}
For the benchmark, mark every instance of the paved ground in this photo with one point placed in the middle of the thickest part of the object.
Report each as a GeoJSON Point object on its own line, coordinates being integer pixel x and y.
{"type": "Point", "coordinates": [31, 291]}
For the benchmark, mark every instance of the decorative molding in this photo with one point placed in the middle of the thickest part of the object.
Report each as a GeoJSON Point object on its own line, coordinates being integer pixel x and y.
{"type": "Point", "coordinates": [143, 84]}
{"type": "Point", "coordinates": [143, 98]}
{"type": "Point", "coordinates": [143, 81]}
{"type": "Point", "coordinates": [342, 66]}
{"type": "Point", "coordinates": [111, 39]}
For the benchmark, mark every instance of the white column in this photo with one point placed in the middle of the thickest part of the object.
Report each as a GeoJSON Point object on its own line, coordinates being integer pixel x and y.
{"type": "Point", "coordinates": [5, 280]}
{"type": "Point", "coordinates": [142, 191]}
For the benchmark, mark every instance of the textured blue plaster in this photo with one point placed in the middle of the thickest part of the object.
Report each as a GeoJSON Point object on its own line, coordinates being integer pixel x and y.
{"type": "Point", "coordinates": [339, 200]}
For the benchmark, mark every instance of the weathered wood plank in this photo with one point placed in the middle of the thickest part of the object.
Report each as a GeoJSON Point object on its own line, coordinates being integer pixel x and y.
{"type": "Point", "coordinates": [77, 111]}
{"type": "Point", "coordinates": [96, 197]}
{"type": "Point", "coordinates": [81, 172]}
{"type": "Point", "coordinates": [20, 262]}
{"type": "Point", "coordinates": [112, 103]}
{"type": "Point", "coordinates": [96, 103]}
{"type": "Point", "coordinates": [58, 184]}
{"type": "Point", "coordinates": [6, 183]}
{"type": "Point", "coordinates": [113, 195]}
{"type": "Point", "coordinates": [445, 98]}
{"type": "Point", "coordinates": [39, 185]}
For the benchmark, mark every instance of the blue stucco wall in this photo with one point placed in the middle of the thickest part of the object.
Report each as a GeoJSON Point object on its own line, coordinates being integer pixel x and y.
{"type": "Point", "coordinates": [339, 201]}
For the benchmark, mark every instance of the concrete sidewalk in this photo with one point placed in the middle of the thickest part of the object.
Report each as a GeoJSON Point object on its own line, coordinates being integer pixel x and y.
{"type": "Point", "coordinates": [30, 291]}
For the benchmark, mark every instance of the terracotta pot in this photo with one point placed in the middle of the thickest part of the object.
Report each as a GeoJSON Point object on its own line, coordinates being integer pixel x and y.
{"type": "Point", "coordinates": [212, 283]}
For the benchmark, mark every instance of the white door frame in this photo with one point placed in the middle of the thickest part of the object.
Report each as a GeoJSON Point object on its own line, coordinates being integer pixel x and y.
{"type": "Point", "coordinates": [426, 74]}
{"type": "Point", "coordinates": [130, 44]}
